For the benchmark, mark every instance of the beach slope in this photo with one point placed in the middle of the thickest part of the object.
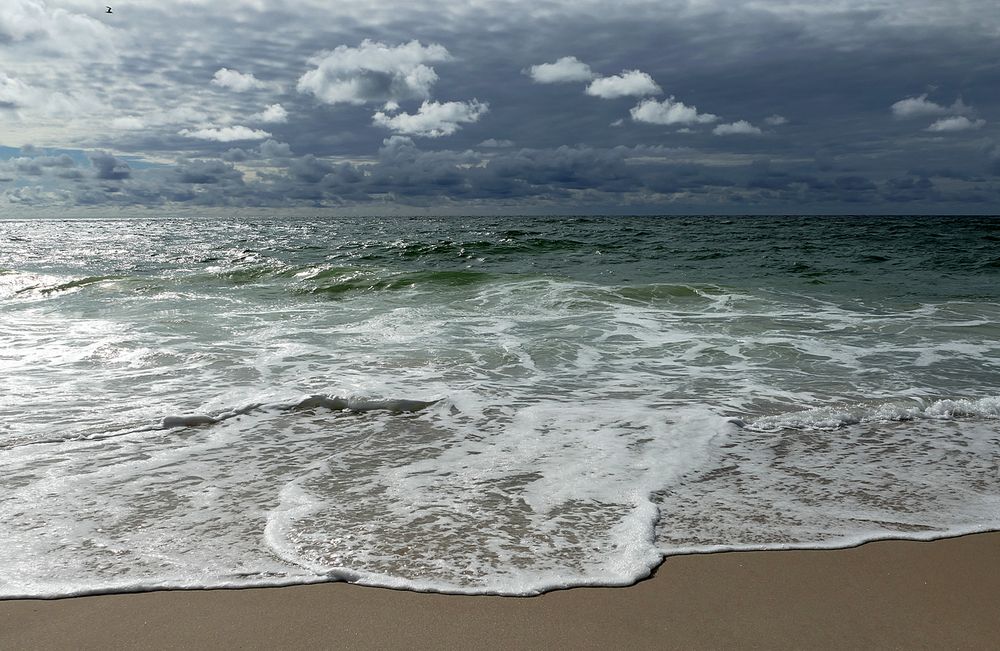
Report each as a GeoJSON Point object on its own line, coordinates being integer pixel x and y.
{"type": "Point", "coordinates": [890, 594]}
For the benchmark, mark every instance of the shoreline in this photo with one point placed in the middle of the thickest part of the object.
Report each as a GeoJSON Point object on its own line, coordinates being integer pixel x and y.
{"type": "Point", "coordinates": [886, 593]}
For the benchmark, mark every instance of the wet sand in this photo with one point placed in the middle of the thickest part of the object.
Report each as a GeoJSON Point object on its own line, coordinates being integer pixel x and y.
{"type": "Point", "coordinates": [893, 594]}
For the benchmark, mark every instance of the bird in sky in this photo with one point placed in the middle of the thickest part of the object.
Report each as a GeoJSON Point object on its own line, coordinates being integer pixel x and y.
{"type": "Point", "coordinates": [109, 10]}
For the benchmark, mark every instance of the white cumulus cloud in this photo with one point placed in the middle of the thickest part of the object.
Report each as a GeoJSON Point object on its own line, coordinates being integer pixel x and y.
{"type": "Point", "coordinates": [225, 134]}
{"type": "Point", "coordinates": [275, 113]}
{"type": "Point", "coordinates": [632, 83]}
{"type": "Point", "coordinates": [669, 111]}
{"type": "Point", "coordinates": [956, 123]}
{"type": "Point", "coordinates": [920, 106]}
{"type": "Point", "coordinates": [562, 70]}
{"type": "Point", "coordinates": [776, 120]}
{"type": "Point", "coordinates": [433, 119]}
{"type": "Point", "coordinates": [373, 73]}
{"type": "Point", "coordinates": [738, 128]}
{"type": "Point", "coordinates": [235, 80]}
{"type": "Point", "coordinates": [494, 143]}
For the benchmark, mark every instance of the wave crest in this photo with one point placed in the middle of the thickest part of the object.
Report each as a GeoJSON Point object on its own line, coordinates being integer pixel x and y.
{"type": "Point", "coordinates": [826, 418]}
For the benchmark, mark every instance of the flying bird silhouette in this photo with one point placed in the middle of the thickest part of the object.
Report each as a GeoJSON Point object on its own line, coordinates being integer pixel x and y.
{"type": "Point", "coordinates": [109, 10]}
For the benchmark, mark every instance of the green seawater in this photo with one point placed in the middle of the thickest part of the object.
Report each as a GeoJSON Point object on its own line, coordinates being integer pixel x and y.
{"type": "Point", "coordinates": [584, 395]}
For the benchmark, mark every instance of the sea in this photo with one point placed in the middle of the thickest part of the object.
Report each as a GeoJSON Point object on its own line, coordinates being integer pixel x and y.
{"type": "Point", "coordinates": [501, 405]}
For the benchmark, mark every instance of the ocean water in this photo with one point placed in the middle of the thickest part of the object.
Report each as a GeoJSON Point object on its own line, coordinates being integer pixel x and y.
{"type": "Point", "coordinates": [484, 405]}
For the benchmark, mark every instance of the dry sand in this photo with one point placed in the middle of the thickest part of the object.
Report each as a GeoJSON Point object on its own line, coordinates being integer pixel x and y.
{"type": "Point", "coordinates": [907, 595]}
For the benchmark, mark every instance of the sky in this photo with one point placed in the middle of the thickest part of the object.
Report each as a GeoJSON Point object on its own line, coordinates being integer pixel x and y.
{"type": "Point", "coordinates": [506, 106]}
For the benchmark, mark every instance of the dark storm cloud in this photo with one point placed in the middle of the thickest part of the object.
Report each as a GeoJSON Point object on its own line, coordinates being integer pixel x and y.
{"type": "Point", "coordinates": [207, 172]}
{"type": "Point", "coordinates": [235, 155]}
{"type": "Point", "coordinates": [621, 178]}
{"type": "Point", "coordinates": [34, 164]}
{"type": "Point", "coordinates": [993, 159]}
{"type": "Point", "coordinates": [310, 169]}
{"type": "Point", "coordinates": [109, 168]}
{"type": "Point", "coordinates": [274, 149]}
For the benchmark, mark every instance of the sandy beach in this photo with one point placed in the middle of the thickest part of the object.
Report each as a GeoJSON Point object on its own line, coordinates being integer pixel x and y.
{"type": "Point", "coordinates": [888, 594]}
